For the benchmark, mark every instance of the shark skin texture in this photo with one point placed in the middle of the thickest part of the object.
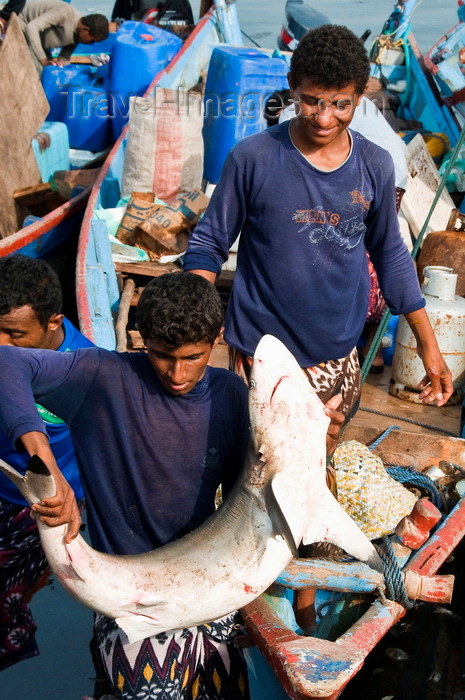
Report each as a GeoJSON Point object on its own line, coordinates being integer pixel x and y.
{"type": "Point", "coordinates": [280, 500]}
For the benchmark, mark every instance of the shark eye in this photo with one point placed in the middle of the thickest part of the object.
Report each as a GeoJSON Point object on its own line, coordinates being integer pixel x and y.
{"type": "Point", "coordinates": [252, 384]}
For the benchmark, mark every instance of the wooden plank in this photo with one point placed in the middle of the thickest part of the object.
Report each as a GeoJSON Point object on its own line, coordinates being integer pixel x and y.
{"type": "Point", "coordinates": [410, 449]}
{"type": "Point", "coordinates": [80, 59]}
{"type": "Point", "coordinates": [123, 313]}
{"type": "Point", "coordinates": [24, 108]}
{"type": "Point", "coordinates": [149, 269]}
{"type": "Point", "coordinates": [39, 200]}
{"type": "Point", "coordinates": [375, 397]}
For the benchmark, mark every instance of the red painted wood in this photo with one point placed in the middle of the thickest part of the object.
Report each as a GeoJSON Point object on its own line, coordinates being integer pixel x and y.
{"type": "Point", "coordinates": [441, 544]}
{"type": "Point", "coordinates": [414, 529]}
{"type": "Point", "coordinates": [280, 645]}
{"type": "Point", "coordinates": [29, 234]}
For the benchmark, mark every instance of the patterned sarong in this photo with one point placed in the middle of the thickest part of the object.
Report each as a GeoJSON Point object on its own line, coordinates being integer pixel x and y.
{"type": "Point", "coordinates": [199, 663]}
{"type": "Point", "coordinates": [23, 570]}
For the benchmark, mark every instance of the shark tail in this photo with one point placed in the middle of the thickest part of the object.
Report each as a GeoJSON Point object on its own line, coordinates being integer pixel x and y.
{"type": "Point", "coordinates": [17, 478]}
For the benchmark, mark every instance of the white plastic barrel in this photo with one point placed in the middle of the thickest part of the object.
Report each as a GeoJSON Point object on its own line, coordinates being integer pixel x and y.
{"type": "Point", "coordinates": [446, 312]}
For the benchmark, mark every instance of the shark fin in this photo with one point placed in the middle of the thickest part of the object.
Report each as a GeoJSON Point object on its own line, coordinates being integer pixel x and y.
{"type": "Point", "coordinates": [280, 524]}
{"type": "Point", "coordinates": [138, 627]}
{"type": "Point", "coordinates": [37, 466]}
{"type": "Point", "coordinates": [333, 524]}
{"type": "Point", "coordinates": [78, 554]}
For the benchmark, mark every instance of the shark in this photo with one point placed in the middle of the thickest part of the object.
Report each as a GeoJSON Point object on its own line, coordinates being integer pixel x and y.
{"type": "Point", "coordinates": [279, 500]}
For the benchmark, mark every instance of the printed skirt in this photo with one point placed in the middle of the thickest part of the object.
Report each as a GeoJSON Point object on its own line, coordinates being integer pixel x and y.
{"type": "Point", "coordinates": [23, 571]}
{"type": "Point", "coordinates": [199, 663]}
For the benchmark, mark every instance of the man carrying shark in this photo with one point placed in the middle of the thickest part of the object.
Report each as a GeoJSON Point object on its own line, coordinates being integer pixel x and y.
{"type": "Point", "coordinates": [155, 434]}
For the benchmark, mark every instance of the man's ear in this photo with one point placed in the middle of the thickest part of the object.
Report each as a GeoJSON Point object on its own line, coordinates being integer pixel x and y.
{"type": "Point", "coordinates": [55, 321]}
{"type": "Point", "coordinates": [218, 338]}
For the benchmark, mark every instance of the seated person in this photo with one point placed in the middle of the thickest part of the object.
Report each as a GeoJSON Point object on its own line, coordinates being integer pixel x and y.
{"type": "Point", "coordinates": [30, 317]}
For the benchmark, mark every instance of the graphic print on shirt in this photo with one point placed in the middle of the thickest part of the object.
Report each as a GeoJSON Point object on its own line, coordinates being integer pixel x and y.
{"type": "Point", "coordinates": [211, 460]}
{"type": "Point", "coordinates": [322, 224]}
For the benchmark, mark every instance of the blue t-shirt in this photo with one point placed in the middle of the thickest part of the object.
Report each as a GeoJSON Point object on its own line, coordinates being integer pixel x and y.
{"type": "Point", "coordinates": [57, 431]}
{"type": "Point", "coordinates": [302, 272]}
{"type": "Point", "coordinates": [150, 462]}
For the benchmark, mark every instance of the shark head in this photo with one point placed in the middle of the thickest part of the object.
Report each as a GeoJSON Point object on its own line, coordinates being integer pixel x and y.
{"type": "Point", "coordinates": [283, 406]}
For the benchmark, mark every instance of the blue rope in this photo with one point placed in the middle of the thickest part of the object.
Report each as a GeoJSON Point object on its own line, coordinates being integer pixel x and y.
{"type": "Point", "coordinates": [395, 587]}
{"type": "Point", "coordinates": [382, 436]}
{"type": "Point", "coordinates": [408, 475]}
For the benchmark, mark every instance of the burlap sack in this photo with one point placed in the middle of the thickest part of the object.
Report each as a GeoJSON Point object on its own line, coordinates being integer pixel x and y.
{"type": "Point", "coordinates": [164, 152]}
{"type": "Point", "coordinates": [366, 491]}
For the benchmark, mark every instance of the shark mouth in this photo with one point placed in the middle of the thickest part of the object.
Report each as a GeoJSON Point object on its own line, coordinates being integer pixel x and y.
{"type": "Point", "coordinates": [281, 379]}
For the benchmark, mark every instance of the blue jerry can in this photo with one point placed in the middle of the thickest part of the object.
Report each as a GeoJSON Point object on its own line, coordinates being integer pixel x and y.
{"type": "Point", "coordinates": [239, 82]}
{"type": "Point", "coordinates": [140, 52]}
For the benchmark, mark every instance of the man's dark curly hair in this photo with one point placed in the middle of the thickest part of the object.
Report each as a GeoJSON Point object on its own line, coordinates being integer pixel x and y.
{"type": "Point", "coordinates": [330, 56]}
{"type": "Point", "coordinates": [29, 282]}
{"type": "Point", "coordinates": [97, 24]}
{"type": "Point", "coordinates": [179, 309]}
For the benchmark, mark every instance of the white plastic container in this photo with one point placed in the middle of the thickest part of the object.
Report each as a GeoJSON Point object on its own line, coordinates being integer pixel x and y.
{"type": "Point", "coordinates": [446, 311]}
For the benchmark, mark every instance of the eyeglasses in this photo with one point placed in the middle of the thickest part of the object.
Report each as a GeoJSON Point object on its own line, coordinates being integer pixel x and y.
{"type": "Point", "coordinates": [340, 105]}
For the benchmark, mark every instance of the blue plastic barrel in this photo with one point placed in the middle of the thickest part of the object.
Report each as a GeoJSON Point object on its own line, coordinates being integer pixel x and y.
{"type": "Point", "coordinates": [239, 82]}
{"type": "Point", "coordinates": [54, 80]}
{"type": "Point", "coordinates": [78, 97]}
{"type": "Point", "coordinates": [105, 46]}
{"type": "Point", "coordinates": [140, 52]}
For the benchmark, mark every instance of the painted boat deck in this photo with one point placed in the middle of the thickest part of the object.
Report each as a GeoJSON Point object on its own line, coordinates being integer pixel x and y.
{"type": "Point", "coordinates": [375, 396]}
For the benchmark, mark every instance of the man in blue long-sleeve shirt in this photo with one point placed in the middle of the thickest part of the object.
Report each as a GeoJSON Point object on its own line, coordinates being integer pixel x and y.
{"type": "Point", "coordinates": [30, 317]}
{"type": "Point", "coordinates": [309, 197]}
{"type": "Point", "coordinates": [155, 434]}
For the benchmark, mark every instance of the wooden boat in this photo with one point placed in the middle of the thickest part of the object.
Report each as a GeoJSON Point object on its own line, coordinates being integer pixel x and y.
{"type": "Point", "coordinates": [399, 63]}
{"type": "Point", "coordinates": [51, 233]}
{"type": "Point", "coordinates": [97, 291]}
{"type": "Point", "coordinates": [445, 61]}
{"type": "Point", "coordinates": [322, 665]}
{"type": "Point", "coordinates": [304, 666]}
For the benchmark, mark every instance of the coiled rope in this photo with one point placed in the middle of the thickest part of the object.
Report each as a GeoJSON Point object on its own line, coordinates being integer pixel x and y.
{"type": "Point", "coordinates": [395, 587]}
{"type": "Point", "coordinates": [409, 475]}
{"type": "Point", "coordinates": [393, 578]}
